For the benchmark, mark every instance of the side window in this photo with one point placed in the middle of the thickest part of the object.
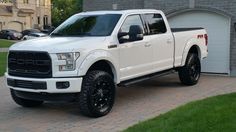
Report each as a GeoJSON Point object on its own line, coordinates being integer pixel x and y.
{"type": "Point", "coordinates": [130, 21]}
{"type": "Point", "coordinates": [155, 23]}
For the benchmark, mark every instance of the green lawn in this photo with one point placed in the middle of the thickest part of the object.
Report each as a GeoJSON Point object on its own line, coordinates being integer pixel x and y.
{"type": "Point", "coordinates": [5, 43]}
{"type": "Point", "coordinates": [3, 61]}
{"type": "Point", "coordinates": [216, 114]}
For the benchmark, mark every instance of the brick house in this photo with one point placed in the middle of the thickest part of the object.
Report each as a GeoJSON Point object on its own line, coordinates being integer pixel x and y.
{"type": "Point", "coordinates": [217, 16]}
{"type": "Point", "coordinates": [24, 14]}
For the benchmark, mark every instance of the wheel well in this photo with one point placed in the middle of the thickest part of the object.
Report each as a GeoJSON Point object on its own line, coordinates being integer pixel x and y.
{"type": "Point", "coordinates": [102, 65]}
{"type": "Point", "coordinates": [195, 49]}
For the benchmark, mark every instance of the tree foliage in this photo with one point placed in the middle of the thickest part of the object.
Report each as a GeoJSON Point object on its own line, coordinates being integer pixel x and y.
{"type": "Point", "coordinates": [63, 9]}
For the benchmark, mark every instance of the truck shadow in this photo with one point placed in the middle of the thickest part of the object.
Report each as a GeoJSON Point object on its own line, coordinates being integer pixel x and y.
{"type": "Point", "coordinates": [131, 95]}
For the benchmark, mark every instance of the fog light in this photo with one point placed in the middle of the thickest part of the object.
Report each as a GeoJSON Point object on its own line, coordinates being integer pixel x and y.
{"type": "Point", "coordinates": [63, 85]}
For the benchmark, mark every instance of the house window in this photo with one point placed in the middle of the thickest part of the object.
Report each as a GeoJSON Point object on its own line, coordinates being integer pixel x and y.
{"type": "Point", "coordinates": [45, 20]}
{"type": "Point", "coordinates": [26, 1]}
{"type": "Point", "coordinates": [38, 19]}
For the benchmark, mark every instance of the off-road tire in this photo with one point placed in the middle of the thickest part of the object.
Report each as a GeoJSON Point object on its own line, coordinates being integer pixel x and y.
{"type": "Point", "coordinates": [191, 72]}
{"type": "Point", "coordinates": [97, 95]}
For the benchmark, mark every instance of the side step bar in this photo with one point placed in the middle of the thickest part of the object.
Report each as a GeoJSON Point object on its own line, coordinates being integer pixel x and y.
{"type": "Point", "coordinates": [144, 78]}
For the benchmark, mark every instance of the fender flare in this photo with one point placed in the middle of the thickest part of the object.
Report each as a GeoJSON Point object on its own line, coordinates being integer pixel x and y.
{"type": "Point", "coordinates": [96, 56]}
{"type": "Point", "coordinates": [189, 45]}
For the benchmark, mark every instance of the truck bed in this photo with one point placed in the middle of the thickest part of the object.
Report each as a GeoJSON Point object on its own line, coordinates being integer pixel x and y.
{"type": "Point", "coordinates": [185, 29]}
{"type": "Point", "coordinates": [182, 37]}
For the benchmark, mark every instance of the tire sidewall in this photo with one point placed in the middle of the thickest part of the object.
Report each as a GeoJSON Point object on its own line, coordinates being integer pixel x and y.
{"type": "Point", "coordinates": [185, 73]}
{"type": "Point", "coordinates": [88, 87]}
{"type": "Point", "coordinates": [193, 58]}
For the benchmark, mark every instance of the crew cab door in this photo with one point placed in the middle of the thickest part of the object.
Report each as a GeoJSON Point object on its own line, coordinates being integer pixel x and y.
{"type": "Point", "coordinates": [135, 55]}
{"type": "Point", "coordinates": [162, 41]}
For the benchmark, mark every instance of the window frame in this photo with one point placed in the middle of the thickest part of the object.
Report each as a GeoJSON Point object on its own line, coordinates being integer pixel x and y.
{"type": "Point", "coordinates": [143, 23]}
{"type": "Point", "coordinates": [147, 25]}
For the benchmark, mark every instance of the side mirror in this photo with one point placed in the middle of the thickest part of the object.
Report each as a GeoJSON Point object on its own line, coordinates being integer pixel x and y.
{"type": "Point", "coordinates": [122, 34]}
{"type": "Point", "coordinates": [135, 33]}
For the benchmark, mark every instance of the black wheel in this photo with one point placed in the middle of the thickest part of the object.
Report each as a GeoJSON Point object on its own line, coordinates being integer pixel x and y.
{"type": "Point", "coordinates": [9, 37]}
{"type": "Point", "coordinates": [97, 94]}
{"type": "Point", "coordinates": [25, 102]}
{"type": "Point", "coordinates": [190, 73]}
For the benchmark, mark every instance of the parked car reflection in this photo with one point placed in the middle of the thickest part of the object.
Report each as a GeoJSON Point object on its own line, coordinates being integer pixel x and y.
{"type": "Point", "coordinates": [10, 34]}
{"type": "Point", "coordinates": [29, 31]}
{"type": "Point", "coordinates": [34, 36]}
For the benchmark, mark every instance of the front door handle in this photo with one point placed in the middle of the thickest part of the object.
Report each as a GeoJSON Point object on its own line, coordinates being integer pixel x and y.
{"type": "Point", "coordinates": [147, 45]}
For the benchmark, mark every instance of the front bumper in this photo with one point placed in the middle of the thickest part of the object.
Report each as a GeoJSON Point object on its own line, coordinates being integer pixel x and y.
{"type": "Point", "coordinates": [50, 84]}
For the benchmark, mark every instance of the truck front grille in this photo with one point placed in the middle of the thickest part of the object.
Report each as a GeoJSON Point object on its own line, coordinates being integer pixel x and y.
{"type": "Point", "coordinates": [29, 64]}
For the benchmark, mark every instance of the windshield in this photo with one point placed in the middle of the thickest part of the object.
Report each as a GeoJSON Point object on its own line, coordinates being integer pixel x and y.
{"type": "Point", "coordinates": [88, 25]}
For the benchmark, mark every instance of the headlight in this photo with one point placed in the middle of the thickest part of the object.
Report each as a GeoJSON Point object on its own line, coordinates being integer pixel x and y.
{"type": "Point", "coordinates": [70, 59]}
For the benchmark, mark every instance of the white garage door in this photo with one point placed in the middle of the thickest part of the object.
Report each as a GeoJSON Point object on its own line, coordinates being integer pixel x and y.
{"type": "Point", "coordinates": [218, 28]}
{"type": "Point", "coordinates": [15, 25]}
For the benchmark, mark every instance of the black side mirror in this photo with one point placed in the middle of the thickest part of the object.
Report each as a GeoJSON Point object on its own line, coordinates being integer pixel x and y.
{"type": "Point", "coordinates": [135, 33]}
{"type": "Point", "coordinates": [122, 34]}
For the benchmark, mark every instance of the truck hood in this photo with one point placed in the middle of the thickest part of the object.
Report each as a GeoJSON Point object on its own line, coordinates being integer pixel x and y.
{"type": "Point", "coordinates": [59, 44]}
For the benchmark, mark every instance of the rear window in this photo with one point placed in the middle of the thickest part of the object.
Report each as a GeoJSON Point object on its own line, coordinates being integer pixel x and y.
{"type": "Point", "coordinates": [155, 23]}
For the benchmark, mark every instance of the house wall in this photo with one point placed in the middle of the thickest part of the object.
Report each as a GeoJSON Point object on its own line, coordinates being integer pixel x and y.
{"type": "Point", "coordinates": [91, 5]}
{"type": "Point", "coordinates": [28, 19]}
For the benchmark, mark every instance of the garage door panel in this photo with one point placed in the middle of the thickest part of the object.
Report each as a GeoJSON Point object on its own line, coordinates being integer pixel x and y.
{"type": "Point", "coordinates": [16, 26]}
{"type": "Point", "coordinates": [218, 28]}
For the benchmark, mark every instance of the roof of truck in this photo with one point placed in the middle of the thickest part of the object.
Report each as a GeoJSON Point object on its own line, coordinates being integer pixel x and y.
{"type": "Point", "coordinates": [120, 11]}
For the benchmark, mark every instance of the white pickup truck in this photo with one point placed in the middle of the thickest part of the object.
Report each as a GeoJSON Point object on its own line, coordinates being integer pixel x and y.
{"type": "Point", "coordinates": [91, 53]}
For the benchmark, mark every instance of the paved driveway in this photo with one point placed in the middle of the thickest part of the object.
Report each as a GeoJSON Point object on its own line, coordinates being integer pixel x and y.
{"type": "Point", "coordinates": [133, 104]}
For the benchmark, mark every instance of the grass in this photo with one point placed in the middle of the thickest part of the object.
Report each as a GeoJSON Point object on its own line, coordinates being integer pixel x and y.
{"type": "Point", "coordinates": [215, 114]}
{"type": "Point", "coordinates": [5, 43]}
{"type": "Point", "coordinates": [3, 63]}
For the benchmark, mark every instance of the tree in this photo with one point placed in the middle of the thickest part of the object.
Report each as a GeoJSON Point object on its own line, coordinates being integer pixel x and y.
{"type": "Point", "coordinates": [63, 9]}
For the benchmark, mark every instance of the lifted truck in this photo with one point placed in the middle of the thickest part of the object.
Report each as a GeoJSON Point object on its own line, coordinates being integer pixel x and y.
{"type": "Point", "coordinates": [87, 56]}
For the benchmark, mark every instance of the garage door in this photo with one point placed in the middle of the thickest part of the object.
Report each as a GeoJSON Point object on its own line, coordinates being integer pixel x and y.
{"type": "Point", "coordinates": [218, 28]}
{"type": "Point", "coordinates": [15, 25]}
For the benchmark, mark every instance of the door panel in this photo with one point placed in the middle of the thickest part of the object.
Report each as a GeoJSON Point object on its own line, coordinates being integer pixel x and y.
{"type": "Point", "coordinates": [163, 54]}
{"type": "Point", "coordinates": [135, 56]}
{"type": "Point", "coordinates": [162, 42]}
{"type": "Point", "coordinates": [135, 59]}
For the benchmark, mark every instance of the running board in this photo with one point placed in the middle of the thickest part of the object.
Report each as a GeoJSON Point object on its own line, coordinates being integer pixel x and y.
{"type": "Point", "coordinates": [144, 78]}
